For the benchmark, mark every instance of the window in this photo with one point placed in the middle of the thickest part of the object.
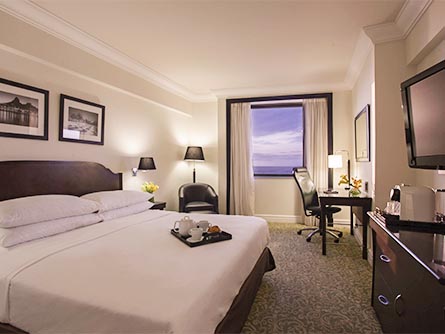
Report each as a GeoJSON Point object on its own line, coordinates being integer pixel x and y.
{"type": "Point", "coordinates": [278, 133]}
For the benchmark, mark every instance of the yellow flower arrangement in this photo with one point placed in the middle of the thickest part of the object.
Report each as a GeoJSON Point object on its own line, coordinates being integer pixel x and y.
{"type": "Point", "coordinates": [149, 187]}
{"type": "Point", "coordinates": [356, 184]}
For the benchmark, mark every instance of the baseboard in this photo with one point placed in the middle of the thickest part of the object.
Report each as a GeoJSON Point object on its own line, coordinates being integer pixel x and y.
{"type": "Point", "coordinates": [280, 218]}
{"type": "Point", "coordinates": [296, 219]}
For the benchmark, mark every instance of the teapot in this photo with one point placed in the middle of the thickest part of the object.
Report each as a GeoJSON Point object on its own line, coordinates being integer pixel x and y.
{"type": "Point", "coordinates": [184, 225]}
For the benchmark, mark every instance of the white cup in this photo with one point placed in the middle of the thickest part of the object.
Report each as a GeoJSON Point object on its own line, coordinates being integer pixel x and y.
{"type": "Point", "coordinates": [204, 224]}
{"type": "Point", "coordinates": [196, 233]}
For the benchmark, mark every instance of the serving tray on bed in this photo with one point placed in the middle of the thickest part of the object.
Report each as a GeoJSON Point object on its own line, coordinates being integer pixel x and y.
{"type": "Point", "coordinates": [208, 238]}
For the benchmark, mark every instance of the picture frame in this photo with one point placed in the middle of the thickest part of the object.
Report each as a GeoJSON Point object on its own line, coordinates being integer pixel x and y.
{"type": "Point", "coordinates": [81, 121]}
{"type": "Point", "coordinates": [362, 135]}
{"type": "Point", "coordinates": [23, 110]}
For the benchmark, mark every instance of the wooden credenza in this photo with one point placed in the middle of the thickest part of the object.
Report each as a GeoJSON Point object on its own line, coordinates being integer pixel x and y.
{"type": "Point", "coordinates": [408, 293]}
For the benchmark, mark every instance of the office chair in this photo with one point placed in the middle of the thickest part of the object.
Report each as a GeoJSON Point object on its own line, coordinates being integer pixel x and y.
{"type": "Point", "coordinates": [197, 197]}
{"type": "Point", "coordinates": [312, 206]}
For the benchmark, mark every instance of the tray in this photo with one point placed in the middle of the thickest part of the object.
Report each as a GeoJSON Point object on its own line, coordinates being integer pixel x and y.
{"type": "Point", "coordinates": [209, 238]}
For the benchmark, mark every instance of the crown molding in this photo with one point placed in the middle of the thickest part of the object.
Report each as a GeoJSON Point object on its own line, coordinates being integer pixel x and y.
{"type": "Point", "coordinates": [90, 79]}
{"type": "Point", "coordinates": [31, 13]}
{"type": "Point", "coordinates": [408, 16]}
{"type": "Point", "coordinates": [363, 47]}
{"type": "Point", "coordinates": [279, 90]}
{"type": "Point", "coordinates": [42, 19]}
{"type": "Point", "coordinates": [405, 21]}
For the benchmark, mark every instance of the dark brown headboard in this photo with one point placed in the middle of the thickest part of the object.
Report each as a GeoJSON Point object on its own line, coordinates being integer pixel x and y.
{"type": "Point", "coordinates": [29, 178]}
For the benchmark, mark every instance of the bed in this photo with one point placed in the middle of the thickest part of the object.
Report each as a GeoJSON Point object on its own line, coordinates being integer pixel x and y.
{"type": "Point", "coordinates": [127, 274]}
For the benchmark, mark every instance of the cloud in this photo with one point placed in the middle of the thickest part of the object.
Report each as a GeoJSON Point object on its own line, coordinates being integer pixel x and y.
{"type": "Point", "coordinates": [278, 149]}
{"type": "Point", "coordinates": [279, 143]}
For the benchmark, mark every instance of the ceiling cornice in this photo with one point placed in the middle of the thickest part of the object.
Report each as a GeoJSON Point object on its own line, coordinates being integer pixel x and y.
{"type": "Point", "coordinates": [33, 14]}
{"type": "Point", "coordinates": [363, 47]}
{"type": "Point", "coordinates": [28, 11]}
{"type": "Point", "coordinates": [279, 90]}
{"type": "Point", "coordinates": [407, 18]}
{"type": "Point", "coordinates": [405, 21]}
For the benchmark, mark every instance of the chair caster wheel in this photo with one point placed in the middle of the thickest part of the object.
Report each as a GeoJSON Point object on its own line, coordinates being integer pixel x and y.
{"type": "Point", "coordinates": [337, 241]}
{"type": "Point", "coordinates": [299, 232]}
{"type": "Point", "coordinates": [308, 239]}
{"type": "Point", "coordinates": [340, 234]}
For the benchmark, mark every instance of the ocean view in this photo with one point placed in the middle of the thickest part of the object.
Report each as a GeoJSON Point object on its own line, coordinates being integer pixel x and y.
{"type": "Point", "coordinates": [273, 170]}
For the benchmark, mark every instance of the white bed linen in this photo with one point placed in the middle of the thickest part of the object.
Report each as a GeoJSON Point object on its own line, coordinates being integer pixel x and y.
{"type": "Point", "coordinates": [128, 275]}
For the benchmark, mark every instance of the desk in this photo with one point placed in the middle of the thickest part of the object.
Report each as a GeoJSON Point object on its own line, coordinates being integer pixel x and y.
{"type": "Point", "coordinates": [361, 201]}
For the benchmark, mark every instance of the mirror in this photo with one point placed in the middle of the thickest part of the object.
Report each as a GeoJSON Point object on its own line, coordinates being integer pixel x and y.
{"type": "Point", "coordinates": [362, 147]}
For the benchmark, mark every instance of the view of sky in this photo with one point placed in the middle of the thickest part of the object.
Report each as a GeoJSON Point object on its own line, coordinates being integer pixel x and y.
{"type": "Point", "coordinates": [277, 139]}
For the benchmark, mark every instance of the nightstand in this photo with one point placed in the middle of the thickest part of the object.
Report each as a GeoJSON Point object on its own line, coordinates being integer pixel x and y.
{"type": "Point", "coordinates": [159, 206]}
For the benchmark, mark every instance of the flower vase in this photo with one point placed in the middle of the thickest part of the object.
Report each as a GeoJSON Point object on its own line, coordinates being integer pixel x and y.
{"type": "Point", "coordinates": [354, 191]}
{"type": "Point", "coordinates": [152, 199]}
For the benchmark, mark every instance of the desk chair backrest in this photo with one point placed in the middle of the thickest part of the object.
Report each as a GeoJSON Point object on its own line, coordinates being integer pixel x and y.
{"type": "Point", "coordinates": [307, 189]}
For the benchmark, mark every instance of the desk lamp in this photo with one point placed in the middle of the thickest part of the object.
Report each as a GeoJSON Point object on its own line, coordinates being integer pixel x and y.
{"type": "Point", "coordinates": [336, 161]}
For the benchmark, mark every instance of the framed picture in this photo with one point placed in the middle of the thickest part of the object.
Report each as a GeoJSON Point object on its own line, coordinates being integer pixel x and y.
{"type": "Point", "coordinates": [81, 121]}
{"type": "Point", "coordinates": [362, 133]}
{"type": "Point", "coordinates": [23, 111]}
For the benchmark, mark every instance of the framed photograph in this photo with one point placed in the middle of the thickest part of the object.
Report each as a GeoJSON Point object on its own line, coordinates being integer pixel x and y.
{"type": "Point", "coordinates": [81, 121]}
{"type": "Point", "coordinates": [23, 111]}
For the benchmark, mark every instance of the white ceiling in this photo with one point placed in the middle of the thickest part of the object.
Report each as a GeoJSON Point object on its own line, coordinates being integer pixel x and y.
{"type": "Point", "coordinates": [214, 46]}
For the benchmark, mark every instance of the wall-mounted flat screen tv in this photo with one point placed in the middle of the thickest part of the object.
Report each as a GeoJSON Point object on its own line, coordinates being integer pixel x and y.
{"type": "Point", "coordinates": [423, 98]}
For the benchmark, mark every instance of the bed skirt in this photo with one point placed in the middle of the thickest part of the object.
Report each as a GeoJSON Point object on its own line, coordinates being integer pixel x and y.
{"type": "Point", "coordinates": [237, 315]}
{"type": "Point", "coordinates": [239, 310]}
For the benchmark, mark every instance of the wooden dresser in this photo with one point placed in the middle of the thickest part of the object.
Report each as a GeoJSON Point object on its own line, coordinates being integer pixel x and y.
{"type": "Point", "coordinates": [408, 292]}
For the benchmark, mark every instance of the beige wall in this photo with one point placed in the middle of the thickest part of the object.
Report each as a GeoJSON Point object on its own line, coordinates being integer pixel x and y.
{"type": "Point", "coordinates": [22, 37]}
{"type": "Point", "coordinates": [391, 161]}
{"type": "Point", "coordinates": [204, 132]}
{"type": "Point", "coordinates": [362, 94]}
{"type": "Point", "coordinates": [140, 119]}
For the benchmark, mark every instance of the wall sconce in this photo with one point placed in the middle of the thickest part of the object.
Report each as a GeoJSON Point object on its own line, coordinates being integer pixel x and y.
{"type": "Point", "coordinates": [194, 153]}
{"type": "Point", "coordinates": [144, 165]}
{"type": "Point", "coordinates": [336, 161]}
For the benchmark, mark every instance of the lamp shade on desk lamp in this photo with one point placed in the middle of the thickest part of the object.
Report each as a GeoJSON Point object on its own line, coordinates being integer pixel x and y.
{"type": "Point", "coordinates": [335, 161]}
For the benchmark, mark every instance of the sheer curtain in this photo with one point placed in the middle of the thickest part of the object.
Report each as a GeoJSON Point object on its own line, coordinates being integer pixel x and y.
{"type": "Point", "coordinates": [242, 186]}
{"type": "Point", "coordinates": [316, 142]}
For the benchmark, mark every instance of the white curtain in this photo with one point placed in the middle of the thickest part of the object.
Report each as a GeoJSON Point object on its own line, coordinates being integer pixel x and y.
{"type": "Point", "coordinates": [316, 142]}
{"type": "Point", "coordinates": [242, 186]}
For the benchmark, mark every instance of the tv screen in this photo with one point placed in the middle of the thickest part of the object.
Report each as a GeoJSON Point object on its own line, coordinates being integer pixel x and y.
{"type": "Point", "coordinates": [423, 99]}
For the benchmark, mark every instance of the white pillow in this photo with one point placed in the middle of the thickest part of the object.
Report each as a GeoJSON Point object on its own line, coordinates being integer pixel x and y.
{"type": "Point", "coordinates": [35, 209]}
{"type": "Point", "coordinates": [115, 199]}
{"type": "Point", "coordinates": [12, 236]}
{"type": "Point", "coordinates": [126, 211]}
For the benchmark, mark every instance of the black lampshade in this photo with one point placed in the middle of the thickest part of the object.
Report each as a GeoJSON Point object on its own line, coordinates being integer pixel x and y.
{"type": "Point", "coordinates": [194, 153]}
{"type": "Point", "coordinates": [146, 164]}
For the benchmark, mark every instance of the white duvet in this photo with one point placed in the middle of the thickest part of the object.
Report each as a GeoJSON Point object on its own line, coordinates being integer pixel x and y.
{"type": "Point", "coordinates": [128, 275]}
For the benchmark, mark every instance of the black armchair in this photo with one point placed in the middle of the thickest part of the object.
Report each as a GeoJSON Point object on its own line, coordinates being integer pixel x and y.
{"type": "Point", "coordinates": [197, 197]}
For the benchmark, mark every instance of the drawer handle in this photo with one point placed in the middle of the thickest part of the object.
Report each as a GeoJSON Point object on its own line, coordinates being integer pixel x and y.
{"type": "Point", "coordinates": [383, 300]}
{"type": "Point", "coordinates": [385, 259]}
{"type": "Point", "coordinates": [396, 303]}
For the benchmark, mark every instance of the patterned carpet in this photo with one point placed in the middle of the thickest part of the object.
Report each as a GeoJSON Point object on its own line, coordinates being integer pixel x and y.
{"type": "Point", "coordinates": [311, 293]}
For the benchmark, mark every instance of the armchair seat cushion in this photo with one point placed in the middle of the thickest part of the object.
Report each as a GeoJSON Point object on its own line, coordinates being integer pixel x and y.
{"type": "Point", "coordinates": [197, 197]}
{"type": "Point", "coordinates": [198, 206]}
